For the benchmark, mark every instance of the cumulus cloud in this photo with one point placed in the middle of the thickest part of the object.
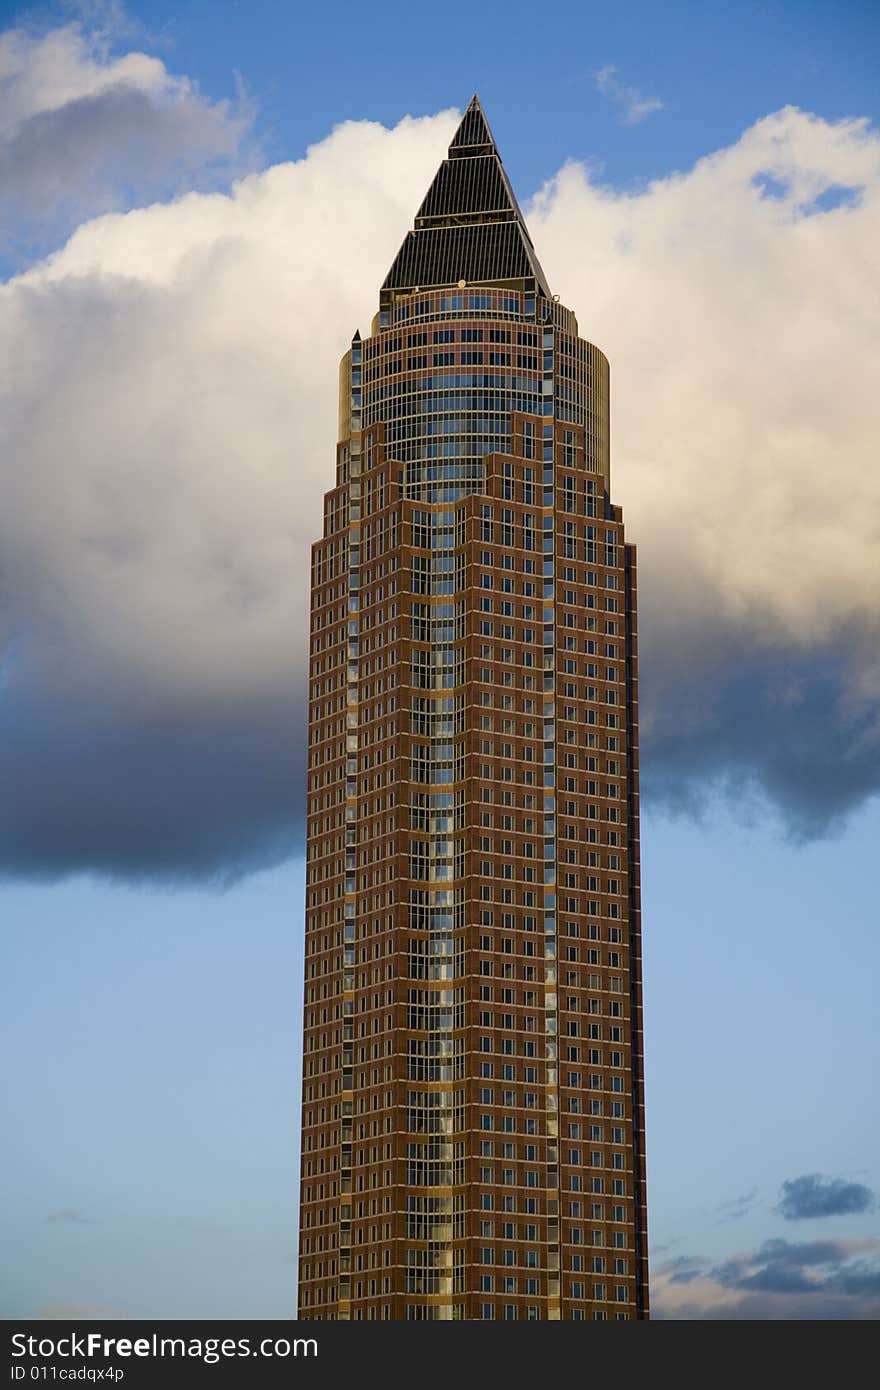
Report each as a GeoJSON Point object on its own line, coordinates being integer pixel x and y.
{"type": "Point", "coordinates": [168, 429]}
{"type": "Point", "coordinates": [633, 106]}
{"type": "Point", "coordinates": [829, 1279]}
{"type": "Point", "coordinates": [811, 1196]}
{"type": "Point", "coordinates": [83, 130]}
{"type": "Point", "coordinates": [168, 421]}
{"type": "Point", "coordinates": [742, 335]}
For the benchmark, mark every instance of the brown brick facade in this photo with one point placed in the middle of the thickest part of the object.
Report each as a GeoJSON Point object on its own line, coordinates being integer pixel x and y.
{"type": "Point", "coordinates": [473, 1115]}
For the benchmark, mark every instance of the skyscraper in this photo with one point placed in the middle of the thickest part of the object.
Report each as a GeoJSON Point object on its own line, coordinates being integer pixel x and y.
{"type": "Point", "coordinates": [473, 1119]}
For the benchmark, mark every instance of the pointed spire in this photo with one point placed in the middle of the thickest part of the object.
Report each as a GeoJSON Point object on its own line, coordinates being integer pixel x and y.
{"type": "Point", "coordinates": [469, 226]}
{"type": "Point", "coordinates": [473, 134]}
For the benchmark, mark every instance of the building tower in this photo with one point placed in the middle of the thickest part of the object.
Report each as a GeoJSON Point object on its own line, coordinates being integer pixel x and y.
{"type": "Point", "coordinates": [473, 1116]}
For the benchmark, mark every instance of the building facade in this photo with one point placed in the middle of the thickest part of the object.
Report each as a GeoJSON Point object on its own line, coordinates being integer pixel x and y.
{"type": "Point", "coordinates": [473, 1116]}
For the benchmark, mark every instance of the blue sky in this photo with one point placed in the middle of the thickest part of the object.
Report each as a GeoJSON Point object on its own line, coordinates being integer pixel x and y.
{"type": "Point", "coordinates": [717, 69]}
{"type": "Point", "coordinates": [151, 976]}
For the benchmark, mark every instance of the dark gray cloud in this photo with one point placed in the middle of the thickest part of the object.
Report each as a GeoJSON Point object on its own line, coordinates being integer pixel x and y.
{"type": "Point", "coordinates": [811, 1196]}
{"type": "Point", "coordinates": [84, 131]}
{"type": "Point", "coordinates": [791, 729]}
{"type": "Point", "coordinates": [165, 442]}
{"type": "Point", "coordinates": [683, 1269]}
{"type": "Point", "coordinates": [779, 1266]}
{"type": "Point", "coordinates": [114, 149]}
{"type": "Point", "coordinates": [168, 431]}
{"type": "Point", "coordinates": [735, 1208]}
{"type": "Point", "coordinates": [204, 794]}
{"type": "Point", "coordinates": [780, 1280]}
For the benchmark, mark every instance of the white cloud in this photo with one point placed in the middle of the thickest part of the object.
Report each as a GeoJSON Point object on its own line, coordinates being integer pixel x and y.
{"type": "Point", "coordinates": [634, 107]}
{"type": "Point", "coordinates": [741, 329]}
{"type": "Point", "coordinates": [168, 420]}
{"type": "Point", "coordinates": [82, 130]}
{"type": "Point", "coordinates": [45, 72]}
{"type": "Point", "coordinates": [175, 397]}
{"type": "Point", "coordinates": [741, 332]}
{"type": "Point", "coordinates": [168, 423]}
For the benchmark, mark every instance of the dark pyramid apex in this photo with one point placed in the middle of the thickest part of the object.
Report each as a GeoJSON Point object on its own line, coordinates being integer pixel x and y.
{"type": "Point", "coordinates": [466, 188]}
{"type": "Point", "coordinates": [469, 226]}
{"type": "Point", "coordinates": [473, 134]}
